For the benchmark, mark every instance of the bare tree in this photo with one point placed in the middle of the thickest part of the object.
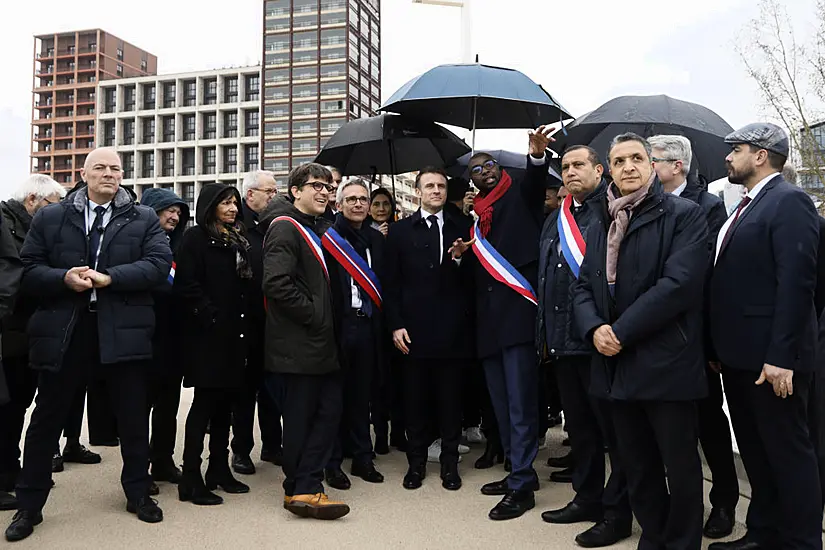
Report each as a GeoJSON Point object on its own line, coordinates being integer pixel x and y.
{"type": "Point", "coordinates": [790, 76]}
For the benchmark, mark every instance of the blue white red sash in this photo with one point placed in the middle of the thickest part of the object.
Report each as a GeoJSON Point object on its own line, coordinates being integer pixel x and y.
{"type": "Point", "coordinates": [570, 237]}
{"type": "Point", "coordinates": [311, 239]}
{"type": "Point", "coordinates": [499, 268]}
{"type": "Point", "coordinates": [356, 266]}
{"type": "Point", "coordinates": [171, 277]}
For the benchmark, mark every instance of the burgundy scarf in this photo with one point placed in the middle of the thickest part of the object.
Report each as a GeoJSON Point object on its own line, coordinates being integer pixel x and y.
{"type": "Point", "coordinates": [484, 205]}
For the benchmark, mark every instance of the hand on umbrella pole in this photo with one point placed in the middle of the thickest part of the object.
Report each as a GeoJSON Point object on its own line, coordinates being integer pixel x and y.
{"type": "Point", "coordinates": [539, 140]}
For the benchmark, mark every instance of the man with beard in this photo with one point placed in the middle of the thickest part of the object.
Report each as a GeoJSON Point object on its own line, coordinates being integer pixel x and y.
{"type": "Point", "coordinates": [763, 330]}
{"type": "Point", "coordinates": [587, 418]}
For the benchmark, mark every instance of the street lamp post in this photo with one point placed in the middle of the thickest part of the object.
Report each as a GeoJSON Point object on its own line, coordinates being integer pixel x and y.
{"type": "Point", "coordinates": [466, 24]}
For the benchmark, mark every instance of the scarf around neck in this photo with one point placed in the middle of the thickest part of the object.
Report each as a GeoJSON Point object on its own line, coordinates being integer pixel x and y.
{"type": "Point", "coordinates": [232, 235]}
{"type": "Point", "coordinates": [484, 205]}
{"type": "Point", "coordinates": [620, 208]}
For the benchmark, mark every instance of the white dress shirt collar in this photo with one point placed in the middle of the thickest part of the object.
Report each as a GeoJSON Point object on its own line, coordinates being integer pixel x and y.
{"type": "Point", "coordinates": [679, 190]}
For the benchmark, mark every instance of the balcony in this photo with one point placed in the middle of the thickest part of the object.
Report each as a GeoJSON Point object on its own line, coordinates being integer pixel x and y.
{"type": "Point", "coordinates": [46, 70]}
{"type": "Point", "coordinates": [91, 49]}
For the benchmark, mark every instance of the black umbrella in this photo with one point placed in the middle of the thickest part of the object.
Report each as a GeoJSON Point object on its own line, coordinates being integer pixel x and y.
{"type": "Point", "coordinates": [649, 116]}
{"type": "Point", "coordinates": [390, 144]}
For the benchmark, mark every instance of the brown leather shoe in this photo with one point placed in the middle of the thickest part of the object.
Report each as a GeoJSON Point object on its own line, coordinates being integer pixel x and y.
{"type": "Point", "coordinates": [316, 506]}
{"type": "Point", "coordinates": [287, 500]}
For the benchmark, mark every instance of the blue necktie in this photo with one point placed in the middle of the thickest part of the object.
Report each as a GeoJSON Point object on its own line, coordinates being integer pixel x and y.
{"type": "Point", "coordinates": [95, 234]}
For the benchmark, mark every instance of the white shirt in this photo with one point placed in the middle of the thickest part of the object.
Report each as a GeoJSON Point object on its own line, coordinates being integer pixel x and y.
{"type": "Point", "coordinates": [355, 289]}
{"type": "Point", "coordinates": [90, 219]}
{"type": "Point", "coordinates": [678, 191]}
{"type": "Point", "coordinates": [440, 216]}
{"type": "Point", "coordinates": [753, 193]}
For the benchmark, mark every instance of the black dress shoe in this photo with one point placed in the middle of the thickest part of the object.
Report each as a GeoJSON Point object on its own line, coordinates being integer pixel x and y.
{"type": "Point", "coordinates": [607, 532]}
{"type": "Point", "coordinates": [367, 472]}
{"type": "Point", "coordinates": [493, 454]}
{"type": "Point", "coordinates": [22, 525]}
{"type": "Point", "coordinates": [242, 464]}
{"type": "Point", "coordinates": [337, 479]}
{"type": "Point", "coordinates": [154, 490]}
{"type": "Point", "coordinates": [147, 510]}
{"type": "Point", "coordinates": [573, 513]}
{"type": "Point", "coordinates": [225, 481]}
{"type": "Point", "coordinates": [170, 474]}
{"type": "Point", "coordinates": [414, 477]}
{"type": "Point", "coordinates": [720, 523]}
{"type": "Point", "coordinates": [450, 479]}
{"type": "Point", "coordinates": [7, 501]}
{"type": "Point", "coordinates": [382, 447]}
{"type": "Point", "coordinates": [745, 543]}
{"type": "Point", "coordinates": [79, 454]}
{"type": "Point", "coordinates": [275, 457]}
{"type": "Point", "coordinates": [496, 488]}
{"type": "Point", "coordinates": [565, 461]}
{"type": "Point", "coordinates": [192, 489]}
{"type": "Point", "coordinates": [57, 463]}
{"type": "Point", "coordinates": [513, 505]}
{"type": "Point", "coordinates": [562, 476]}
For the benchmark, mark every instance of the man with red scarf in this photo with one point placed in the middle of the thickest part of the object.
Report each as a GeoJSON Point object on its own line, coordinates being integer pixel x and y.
{"type": "Point", "coordinates": [511, 215]}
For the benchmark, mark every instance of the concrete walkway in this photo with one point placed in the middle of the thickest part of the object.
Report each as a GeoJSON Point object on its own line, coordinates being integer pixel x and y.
{"type": "Point", "coordinates": [86, 510]}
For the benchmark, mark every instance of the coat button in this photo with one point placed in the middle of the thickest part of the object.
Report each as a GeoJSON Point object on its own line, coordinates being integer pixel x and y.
{"type": "Point", "coordinates": [241, 315]}
{"type": "Point", "coordinates": [598, 273]}
{"type": "Point", "coordinates": [490, 288]}
{"type": "Point", "coordinates": [241, 335]}
{"type": "Point", "coordinates": [555, 308]}
{"type": "Point", "coordinates": [552, 351]}
{"type": "Point", "coordinates": [559, 266]}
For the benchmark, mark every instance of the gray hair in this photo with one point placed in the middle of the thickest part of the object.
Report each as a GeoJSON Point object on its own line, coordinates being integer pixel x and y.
{"type": "Point", "coordinates": [629, 136]}
{"type": "Point", "coordinates": [675, 148]}
{"type": "Point", "coordinates": [339, 197]}
{"type": "Point", "coordinates": [39, 185]}
{"type": "Point", "coordinates": [251, 179]}
{"type": "Point", "coordinates": [789, 173]}
{"type": "Point", "coordinates": [332, 168]}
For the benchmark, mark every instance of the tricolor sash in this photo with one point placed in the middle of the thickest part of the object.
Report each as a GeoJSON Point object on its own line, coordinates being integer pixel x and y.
{"type": "Point", "coordinates": [311, 239]}
{"type": "Point", "coordinates": [171, 277]}
{"type": "Point", "coordinates": [570, 237]}
{"type": "Point", "coordinates": [499, 268]}
{"type": "Point", "coordinates": [353, 263]}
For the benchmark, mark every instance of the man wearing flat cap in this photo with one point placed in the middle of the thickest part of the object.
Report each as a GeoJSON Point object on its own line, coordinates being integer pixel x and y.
{"type": "Point", "coordinates": [763, 331]}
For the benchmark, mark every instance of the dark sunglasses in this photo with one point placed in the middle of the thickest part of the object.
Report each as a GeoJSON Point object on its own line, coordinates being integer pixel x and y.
{"type": "Point", "coordinates": [489, 165]}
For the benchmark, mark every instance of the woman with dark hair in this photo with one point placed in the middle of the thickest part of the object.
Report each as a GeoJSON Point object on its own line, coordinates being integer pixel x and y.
{"type": "Point", "coordinates": [213, 280]}
{"type": "Point", "coordinates": [382, 210]}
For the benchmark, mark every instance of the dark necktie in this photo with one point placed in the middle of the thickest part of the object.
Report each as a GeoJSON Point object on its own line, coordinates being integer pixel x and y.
{"type": "Point", "coordinates": [728, 233]}
{"type": "Point", "coordinates": [435, 238]}
{"type": "Point", "coordinates": [95, 234]}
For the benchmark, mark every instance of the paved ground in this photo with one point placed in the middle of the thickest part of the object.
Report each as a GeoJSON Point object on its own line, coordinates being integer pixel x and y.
{"type": "Point", "coordinates": [87, 510]}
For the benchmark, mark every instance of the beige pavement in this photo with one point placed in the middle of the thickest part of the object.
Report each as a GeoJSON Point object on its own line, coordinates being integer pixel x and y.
{"type": "Point", "coordinates": [86, 510]}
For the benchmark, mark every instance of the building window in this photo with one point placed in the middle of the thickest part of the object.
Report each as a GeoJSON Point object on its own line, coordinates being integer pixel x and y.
{"type": "Point", "coordinates": [168, 129]}
{"type": "Point", "coordinates": [109, 133]}
{"type": "Point", "coordinates": [167, 161]}
{"type": "Point", "coordinates": [149, 130]}
{"type": "Point", "coordinates": [128, 160]}
{"type": "Point", "coordinates": [129, 95]}
{"type": "Point", "coordinates": [209, 161]}
{"type": "Point", "coordinates": [304, 109]}
{"type": "Point", "coordinates": [230, 125]}
{"type": "Point", "coordinates": [210, 126]}
{"type": "Point", "coordinates": [168, 95]}
{"type": "Point", "coordinates": [109, 100]}
{"type": "Point", "coordinates": [149, 96]}
{"type": "Point", "coordinates": [190, 93]}
{"type": "Point", "coordinates": [128, 132]}
{"type": "Point", "coordinates": [210, 91]}
{"type": "Point", "coordinates": [119, 69]}
{"type": "Point", "coordinates": [253, 123]}
{"type": "Point", "coordinates": [305, 73]}
{"type": "Point", "coordinates": [304, 127]}
{"type": "Point", "coordinates": [120, 54]}
{"type": "Point", "coordinates": [230, 90]}
{"type": "Point", "coordinates": [253, 88]}
{"type": "Point", "coordinates": [332, 125]}
{"type": "Point", "coordinates": [189, 128]}
{"type": "Point", "coordinates": [143, 65]}
{"type": "Point", "coordinates": [188, 162]}
{"type": "Point", "coordinates": [250, 158]}
{"type": "Point", "coordinates": [277, 76]}
{"type": "Point", "coordinates": [230, 159]}
{"type": "Point", "coordinates": [148, 164]}
{"type": "Point", "coordinates": [187, 193]}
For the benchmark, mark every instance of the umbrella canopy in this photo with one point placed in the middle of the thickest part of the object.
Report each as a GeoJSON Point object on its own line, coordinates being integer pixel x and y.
{"type": "Point", "coordinates": [476, 96]}
{"type": "Point", "coordinates": [649, 116]}
{"type": "Point", "coordinates": [390, 144]}
{"type": "Point", "coordinates": [514, 163]}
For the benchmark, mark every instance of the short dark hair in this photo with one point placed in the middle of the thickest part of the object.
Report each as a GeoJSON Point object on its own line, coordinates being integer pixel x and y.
{"type": "Point", "coordinates": [775, 160]}
{"type": "Point", "coordinates": [630, 136]}
{"type": "Point", "coordinates": [430, 170]}
{"type": "Point", "coordinates": [480, 154]}
{"type": "Point", "coordinates": [299, 176]}
{"type": "Point", "coordinates": [592, 154]}
{"type": "Point", "coordinates": [457, 188]}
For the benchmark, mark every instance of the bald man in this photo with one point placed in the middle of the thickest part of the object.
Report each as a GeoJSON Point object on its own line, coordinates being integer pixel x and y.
{"type": "Point", "coordinates": [93, 261]}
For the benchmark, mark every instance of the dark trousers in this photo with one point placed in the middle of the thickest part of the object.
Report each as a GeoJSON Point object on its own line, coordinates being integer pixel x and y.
{"type": "Point", "coordinates": [658, 445]}
{"type": "Point", "coordinates": [125, 384]}
{"type": "Point", "coordinates": [164, 400]}
{"type": "Point", "coordinates": [714, 435]}
{"type": "Point", "coordinates": [432, 394]}
{"type": "Point", "coordinates": [394, 391]}
{"type": "Point", "coordinates": [775, 445]}
{"type": "Point", "coordinates": [22, 383]}
{"type": "Point", "coordinates": [512, 378]}
{"type": "Point", "coordinates": [100, 415]}
{"type": "Point", "coordinates": [358, 347]}
{"type": "Point", "coordinates": [243, 416]}
{"type": "Point", "coordinates": [590, 425]}
{"type": "Point", "coordinates": [311, 405]}
{"type": "Point", "coordinates": [473, 397]}
{"type": "Point", "coordinates": [816, 422]}
{"type": "Point", "coordinates": [210, 407]}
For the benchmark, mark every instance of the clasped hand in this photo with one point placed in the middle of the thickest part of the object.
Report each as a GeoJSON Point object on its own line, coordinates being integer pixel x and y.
{"type": "Point", "coordinates": [83, 278]}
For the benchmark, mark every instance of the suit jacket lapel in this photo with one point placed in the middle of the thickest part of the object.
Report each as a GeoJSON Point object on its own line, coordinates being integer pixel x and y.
{"type": "Point", "coordinates": [748, 211]}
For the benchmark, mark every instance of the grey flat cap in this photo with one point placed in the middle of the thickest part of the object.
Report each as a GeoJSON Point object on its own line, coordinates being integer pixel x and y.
{"type": "Point", "coordinates": [763, 135]}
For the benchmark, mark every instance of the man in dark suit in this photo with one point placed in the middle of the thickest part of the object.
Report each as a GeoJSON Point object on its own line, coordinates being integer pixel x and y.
{"type": "Point", "coordinates": [672, 156]}
{"type": "Point", "coordinates": [337, 178]}
{"type": "Point", "coordinates": [763, 330]}
{"type": "Point", "coordinates": [430, 314]}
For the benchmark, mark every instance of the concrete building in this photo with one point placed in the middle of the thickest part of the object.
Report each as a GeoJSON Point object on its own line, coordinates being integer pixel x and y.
{"type": "Point", "coordinates": [322, 67]}
{"type": "Point", "coordinates": [183, 131]}
{"type": "Point", "coordinates": [67, 69]}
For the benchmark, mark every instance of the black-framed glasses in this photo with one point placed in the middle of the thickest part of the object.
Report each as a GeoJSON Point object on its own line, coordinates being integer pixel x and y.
{"type": "Point", "coordinates": [489, 165]}
{"type": "Point", "coordinates": [657, 159]}
{"type": "Point", "coordinates": [353, 200]}
{"type": "Point", "coordinates": [320, 186]}
{"type": "Point", "coordinates": [47, 201]}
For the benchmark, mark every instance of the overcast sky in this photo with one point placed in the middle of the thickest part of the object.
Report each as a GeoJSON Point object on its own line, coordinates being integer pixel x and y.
{"type": "Point", "coordinates": [584, 52]}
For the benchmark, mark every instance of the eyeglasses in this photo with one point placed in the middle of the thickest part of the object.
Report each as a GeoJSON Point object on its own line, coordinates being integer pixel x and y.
{"type": "Point", "coordinates": [47, 201]}
{"type": "Point", "coordinates": [489, 165]}
{"type": "Point", "coordinates": [657, 159]}
{"type": "Point", "coordinates": [353, 200]}
{"type": "Point", "coordinates": [319, 186]}
{"type": "Point", "coordinates": [267, 190]}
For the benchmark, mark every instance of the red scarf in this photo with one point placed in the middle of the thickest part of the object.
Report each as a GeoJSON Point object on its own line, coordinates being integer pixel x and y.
{"type": "Point", "coordinates": [484, 205]}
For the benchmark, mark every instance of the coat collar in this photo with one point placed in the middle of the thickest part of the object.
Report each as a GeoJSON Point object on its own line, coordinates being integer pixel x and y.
{"type": "Point", "coordinates": [121, 200]}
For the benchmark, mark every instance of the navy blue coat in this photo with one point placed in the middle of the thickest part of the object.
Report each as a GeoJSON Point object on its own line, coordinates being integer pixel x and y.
{"type": "Point", "coordinates": [656, 307]}
{"type": "Point", "coordinates": [134, 253]}
{"type": "Point", "coordinates": [762, 286]}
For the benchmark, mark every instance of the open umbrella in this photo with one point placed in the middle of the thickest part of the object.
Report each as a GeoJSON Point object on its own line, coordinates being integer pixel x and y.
{"type": "Point", "coordinates": [514, 163]}
{"type": "Point", "coordinates": [476, 96]}
{"type": "Point", "coordinates": [649, 116]}
{"type": "Point", "coordinates": [390, 144]}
